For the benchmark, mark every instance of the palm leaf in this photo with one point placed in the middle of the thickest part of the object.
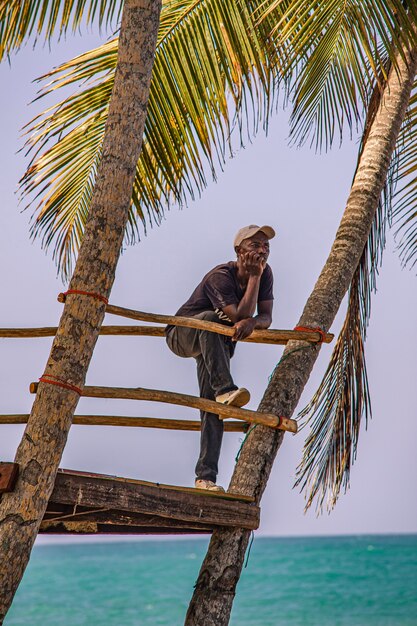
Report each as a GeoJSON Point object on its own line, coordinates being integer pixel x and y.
{"type": "Point", "coordinates": [342, 399]}
{"type": "Point", "coordinates": [23, 20]}
{"type": "Point", "coordinates": [211, 82]}
{"type": "Point", "coordinates": [335, 412]}
{"type": "Point", "coordinates": [334, 50]}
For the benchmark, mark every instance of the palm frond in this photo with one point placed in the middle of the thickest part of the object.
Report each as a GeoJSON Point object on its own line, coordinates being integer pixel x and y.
{"type": "Point", "coordinates": [335, 413]}
{"type": "Point", "coordinates": [211, 83]}
{"type": "Point", "coordinates": [405, 197]}
{"type": "Point", "coordinates": [334, 49]}
{"type": "Point", "coordinates": [21, 21]}
{"type": "Point", "coordinates": [342, 400]}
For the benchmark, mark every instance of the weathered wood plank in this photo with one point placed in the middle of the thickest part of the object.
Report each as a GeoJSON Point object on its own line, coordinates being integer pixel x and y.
{"type": "Point", "coordinates": [147, 483]}
{"type": "Point", "coordinates": [187, 505]}
{"type": "Point", "coordinates": [156, 395]}
{"type": "Point", "coordinates": [121, 420]}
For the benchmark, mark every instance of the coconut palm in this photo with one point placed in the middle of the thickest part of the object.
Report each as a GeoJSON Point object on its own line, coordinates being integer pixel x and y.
{"type": "Point", "coordinates": [41, 448]}
{"type": "Point", "coordinates": [342, 397]}
{"type": "Point", "coordinates": [216, 585]}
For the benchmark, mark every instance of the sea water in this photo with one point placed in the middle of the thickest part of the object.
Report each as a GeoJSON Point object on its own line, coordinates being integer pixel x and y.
{"type": "Point", "coordinates": [311, 581]}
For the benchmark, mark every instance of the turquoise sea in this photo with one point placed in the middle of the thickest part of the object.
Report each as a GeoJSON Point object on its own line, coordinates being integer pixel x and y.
{"type": "Point", "coordinates": [332, 581]}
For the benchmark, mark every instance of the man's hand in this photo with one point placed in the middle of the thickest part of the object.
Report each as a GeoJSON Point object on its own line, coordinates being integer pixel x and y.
{"type": "Point", "coordinates": [254, 263]}
{"type": "Point", "coordinates": [243, 328]}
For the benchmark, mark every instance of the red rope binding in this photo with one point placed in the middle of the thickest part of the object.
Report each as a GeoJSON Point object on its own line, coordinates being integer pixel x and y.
{"type": "Point", "coordinates": [308, 329]}
{"type": "Point", "coordinates": [87, 293]}
{"type": "Point", "coordinates": [60, 383]}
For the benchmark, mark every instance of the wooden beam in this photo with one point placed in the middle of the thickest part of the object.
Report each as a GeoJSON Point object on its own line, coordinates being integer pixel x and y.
{"type": "Point", "coordinates": [271, 336]}
{"type": "Point", "coordinates": [94, 528]}
{"type": "Point", "coordinates": [155, 395]}
{"type": "Point", "coordinates": [135, 481]}
{"type": "Point", "coordinates": [191, 506]}
{"type": "Point", "coordinates": [120, 420]}
{"type": "Point", "coordinates": [50, 331]}
{"type": "Point", "coordinates": [8, 476]}
{"type": "Point", "coordinates": [257, 336]}
{"type": "Point", "coordinates": [60, 518]}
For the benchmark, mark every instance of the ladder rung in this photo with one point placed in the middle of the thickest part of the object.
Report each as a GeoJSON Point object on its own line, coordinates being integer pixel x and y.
{"type": "Point", "coordinates": [121, 420]}
{"type": "Point", "coordinates": [257, 336]}
{"type": "Point", "coordinates": [170, 397]}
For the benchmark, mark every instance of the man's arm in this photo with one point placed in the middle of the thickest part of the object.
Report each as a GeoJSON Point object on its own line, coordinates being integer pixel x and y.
{"type": "Point", "coordinates": [254, 266]}
{"type": "Point", "coordinates": [244, 328]}
{"type": "Point", "coordinates": [264, 317]}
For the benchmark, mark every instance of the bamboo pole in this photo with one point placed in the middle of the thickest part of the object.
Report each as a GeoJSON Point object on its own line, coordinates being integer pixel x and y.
{"type": "Point", "coordinates": [257, 336]}
{"type": "Point", "coordinates": [155, 395]}
{"type": "Point", "coordinates": [120, 420]}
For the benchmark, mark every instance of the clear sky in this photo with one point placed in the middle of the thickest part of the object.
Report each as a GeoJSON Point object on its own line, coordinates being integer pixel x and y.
{"type": "Point", "coordinates": [302, 195]}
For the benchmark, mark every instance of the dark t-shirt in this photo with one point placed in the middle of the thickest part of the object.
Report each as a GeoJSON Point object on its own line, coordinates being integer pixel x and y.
{"type": "Point", "coordinates": [219, 288]}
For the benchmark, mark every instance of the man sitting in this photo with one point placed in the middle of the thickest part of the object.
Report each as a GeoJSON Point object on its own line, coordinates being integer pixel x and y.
{"type": "Point", "coordinates": [231, 294]}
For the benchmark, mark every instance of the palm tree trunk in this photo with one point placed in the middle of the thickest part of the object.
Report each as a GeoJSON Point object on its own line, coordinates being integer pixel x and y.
{"type": "Point", "coordinates": [215, 589]}
{"type": "Point", "coordinates": [43, 442]}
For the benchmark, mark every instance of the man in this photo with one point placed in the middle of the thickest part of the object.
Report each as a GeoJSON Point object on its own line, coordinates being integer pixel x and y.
{"type": "Point", "coordinates": [232, 294]}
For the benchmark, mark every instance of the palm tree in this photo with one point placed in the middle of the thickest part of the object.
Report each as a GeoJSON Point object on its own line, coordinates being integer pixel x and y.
{"type": "Point", "coordinates": [213, 596]}
{"type": "Point", "coordinates": [335, 65]}
{"type": "Point", "coordinates": [340, 400]}
{"type": "Point", "coordinates": [41, 448]}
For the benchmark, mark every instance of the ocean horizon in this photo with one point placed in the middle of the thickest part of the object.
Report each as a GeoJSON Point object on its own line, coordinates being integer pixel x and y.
{"type": "Point", "coordinates": [343, 580]}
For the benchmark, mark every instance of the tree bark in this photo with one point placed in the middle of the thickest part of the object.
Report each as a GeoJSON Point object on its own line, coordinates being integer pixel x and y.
{"type": "Point", "coordinates": [215, 589]}
{"type": "Point", "coordinates": [41, 448]}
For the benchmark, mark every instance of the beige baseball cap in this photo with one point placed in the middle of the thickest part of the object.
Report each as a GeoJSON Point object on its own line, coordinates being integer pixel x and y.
{"type": "Point", "coordinates": [249, 231]}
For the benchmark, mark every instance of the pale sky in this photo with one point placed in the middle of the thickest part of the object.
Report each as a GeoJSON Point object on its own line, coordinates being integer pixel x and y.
{"type": "Point", "coordinates": [302, 195]}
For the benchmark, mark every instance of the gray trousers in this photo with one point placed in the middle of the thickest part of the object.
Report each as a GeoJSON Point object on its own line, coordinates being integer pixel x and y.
{"type": "Point", "coordinates": [212, 353]}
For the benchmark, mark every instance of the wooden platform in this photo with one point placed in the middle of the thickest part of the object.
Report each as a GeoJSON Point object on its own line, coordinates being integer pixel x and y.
{"type": "Point", "coordinates": [83, 503]}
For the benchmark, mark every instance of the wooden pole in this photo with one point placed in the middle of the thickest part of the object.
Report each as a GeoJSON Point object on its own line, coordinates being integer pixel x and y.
{"type": "Point", "coordinates": [257, 336]}
{"type": "Point", "coordinates": [50, 331]}
{"type": "Point", "coordinates": [155, 395]}
{"type": "Point", "coordinates": [120, 420]}
{"type": "Point", "coordinates": [276, 337]}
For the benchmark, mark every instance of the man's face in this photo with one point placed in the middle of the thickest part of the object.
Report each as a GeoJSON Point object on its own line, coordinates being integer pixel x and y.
{"type": "Point", "coordinates": [258, 243]}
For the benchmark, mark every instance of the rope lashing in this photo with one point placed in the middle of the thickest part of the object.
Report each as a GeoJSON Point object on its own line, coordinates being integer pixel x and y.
{"type": "Point", "coordinates": [59, 383]}
{"type": "Point", "coordinates": [310, 329]}
{"type": "Point", "coordinates": [79, 292]}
